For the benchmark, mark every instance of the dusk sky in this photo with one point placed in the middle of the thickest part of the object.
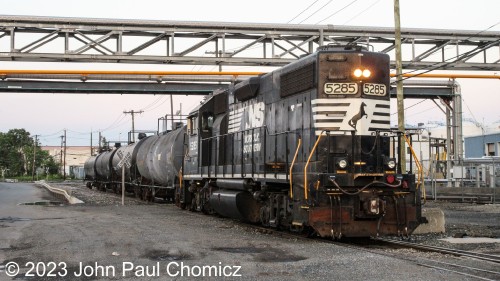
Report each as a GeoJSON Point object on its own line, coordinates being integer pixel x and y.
{"type": "Point", "coordinates": [48, 114]}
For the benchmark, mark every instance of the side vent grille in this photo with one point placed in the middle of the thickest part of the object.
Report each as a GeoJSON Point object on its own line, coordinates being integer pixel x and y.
{"type": "Point", "coordinates": [298, 80]}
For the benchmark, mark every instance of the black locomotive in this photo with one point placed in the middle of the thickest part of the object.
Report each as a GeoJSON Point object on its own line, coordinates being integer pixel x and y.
{"type": "Point", "coordinates": [307, 147]}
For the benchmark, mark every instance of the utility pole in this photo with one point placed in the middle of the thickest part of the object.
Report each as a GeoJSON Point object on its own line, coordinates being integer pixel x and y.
{"type": "Point", "coordinates": [64, 162]}
{"type": "Point", "coordinates": [34, 157]}
{"type": "Point", "coordinates": [90, 142]}
{"type": "Point", "coordinates": [172, 111]}
{"type": "Point", "coordinates": [100, 142]}
{"type": "Point", "coordinates": [61, 154]}
{"type": "Point", "coordinates": [399, 85]}
{"type": "Point", "coordinates": [132, 112]}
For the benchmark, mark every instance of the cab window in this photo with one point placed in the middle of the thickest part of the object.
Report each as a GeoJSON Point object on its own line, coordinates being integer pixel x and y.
{"type": "Point", "coordinates": [207, 121]}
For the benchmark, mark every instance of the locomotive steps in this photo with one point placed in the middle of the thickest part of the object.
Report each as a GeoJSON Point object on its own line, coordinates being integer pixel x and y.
{"type": "Point", "coordinates": [60, 193]}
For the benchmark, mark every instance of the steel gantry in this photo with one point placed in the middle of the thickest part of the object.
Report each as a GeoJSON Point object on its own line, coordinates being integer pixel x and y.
{"type": "Point", "coordinates": [30, 38]}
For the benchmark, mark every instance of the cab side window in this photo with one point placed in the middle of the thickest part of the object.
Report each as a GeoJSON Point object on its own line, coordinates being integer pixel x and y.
{"type": "Point", "coordinates": [207, 121]}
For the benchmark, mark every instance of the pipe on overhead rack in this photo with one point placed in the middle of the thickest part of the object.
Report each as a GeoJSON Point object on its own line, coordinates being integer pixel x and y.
{"type": "Point", "coordinates": [450, 75]}
{"type": "Point", "coordinates": [7, 72]}
{"type": "Point", "coordinates": [126, 72]}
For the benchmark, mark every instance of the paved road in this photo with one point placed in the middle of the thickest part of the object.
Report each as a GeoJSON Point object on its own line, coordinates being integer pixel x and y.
{"type": "Point", "coordinates": [159, 238]}
{"type": "Point", "coordinates": [14, 218]}
{"type": "Point", "coordinates": [12, 194]}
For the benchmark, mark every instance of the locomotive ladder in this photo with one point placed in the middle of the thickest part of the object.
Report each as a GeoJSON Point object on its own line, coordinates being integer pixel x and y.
{"type": "Point", "coordinates": [419, 167]}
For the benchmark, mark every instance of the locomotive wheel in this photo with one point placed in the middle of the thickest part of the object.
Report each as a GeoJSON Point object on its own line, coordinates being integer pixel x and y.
{"type": "Point", "coordinates": [264, 216]}
{"type": "Point", "coordinates": [192, 207]}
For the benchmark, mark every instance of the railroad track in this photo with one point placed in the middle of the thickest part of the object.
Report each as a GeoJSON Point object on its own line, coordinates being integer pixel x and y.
{"type": "Point", "coordinates": [461, 269]}
{"type": "Point", "coordinates": [455, 268]}
{"type": "Point", "coordinates": [443, 250]}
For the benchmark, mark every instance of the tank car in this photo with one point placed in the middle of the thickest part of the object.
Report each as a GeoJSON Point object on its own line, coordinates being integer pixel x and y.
{"type": "Point", "coordinates": [307, 147]}
{"type": "Point", "coordinates": [159, 162]}
{"type": "Point", "coordinates": [105, 175]}
{"type": "Point", "coordinates": [155, 165]}
{"type": "Point", "coordinates": [90, 173]}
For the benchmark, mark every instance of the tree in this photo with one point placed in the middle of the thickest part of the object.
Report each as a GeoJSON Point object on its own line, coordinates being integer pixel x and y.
{"type": "Point", "coordinates": [14, 150]}
{"type": "Point", "coordinates": [16, 153]}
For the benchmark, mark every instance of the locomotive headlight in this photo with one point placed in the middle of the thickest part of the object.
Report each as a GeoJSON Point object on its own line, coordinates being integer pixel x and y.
{"type": "Point", "coordinates": [391, 164]}
{"type": "Point", "coordinates": [358, 72]}
{"type": "Point", "coordinates": [342, 163]}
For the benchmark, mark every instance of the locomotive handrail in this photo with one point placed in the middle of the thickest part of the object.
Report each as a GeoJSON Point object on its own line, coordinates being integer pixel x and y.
{"type": "Point", "coordinates": [306, 189]}
{"type": "Point", "coordinates": [293, 163]}
{"type": "Point", "coordinates": [419, 167]}
{"type": "Point", "coordinates": [244, 132]}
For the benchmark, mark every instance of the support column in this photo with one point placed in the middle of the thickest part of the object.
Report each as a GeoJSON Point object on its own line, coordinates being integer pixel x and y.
{"type": "Point", "coordinates": [449, 147]}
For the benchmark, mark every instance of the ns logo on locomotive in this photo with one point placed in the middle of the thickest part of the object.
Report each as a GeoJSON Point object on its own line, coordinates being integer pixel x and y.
{"type": "Point", "coordinates": [307, 147]}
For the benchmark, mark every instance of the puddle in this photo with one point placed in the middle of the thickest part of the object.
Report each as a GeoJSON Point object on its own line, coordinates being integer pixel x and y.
{"type": "Point", "coordinates": [169, 255]}
{"type": "Point", "coordinates": [13, 219]}
{"type": "Point", "coordinates": [239, 250]}
{"type": "Point", "coordinates": [43, 203]}
{"type": "Point", "coordinates": [263, 254]}
{"type": "Point", "coordinates": [276, 255]}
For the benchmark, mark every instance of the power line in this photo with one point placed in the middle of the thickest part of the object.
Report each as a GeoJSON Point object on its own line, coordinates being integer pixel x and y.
{"type": "Point", "coordinates": [327, 3]}
{"type": "Point", "coordinates": [412, 105]}
{"type": "Point", "coordinates": [152, 103]}
{"type": "Point", "coordinates": [352, 2]}
{"type": "Point", "coordinates": [56, 133]}
{"type": "Point", "coordinates": [360, 13]}
{"type": "Point", "coordinates": [470, 111]}
{"type": "Point", "coordinates": [159, 105]}
{"type": "Point", "coordinates": [79, 133]}
{"type": "Point", "coordinates": [132, 112]}
{"type": "Point", "coordinates": [303, 11]}
{"type": "Point", "coordinates": [117, 120]}
{"type": "Point", "coordinates": [459, 57]}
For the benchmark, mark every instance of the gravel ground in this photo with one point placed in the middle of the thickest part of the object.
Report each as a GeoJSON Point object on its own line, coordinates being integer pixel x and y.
{"type": "Point", "coordinates": [461, 219]}
{"type": "Point", "coordinates": [101, 232]}
{"type": "Point", "coordinates": [464, 220]}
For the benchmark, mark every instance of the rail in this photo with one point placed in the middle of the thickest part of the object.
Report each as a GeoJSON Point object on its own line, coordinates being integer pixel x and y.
{"type": "Point", "coordinates": [443, 250]}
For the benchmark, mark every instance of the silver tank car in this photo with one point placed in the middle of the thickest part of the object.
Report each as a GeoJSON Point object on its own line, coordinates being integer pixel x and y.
{"type": "Point", "coordinates": [160, 158]}
{"type": "Point", "coordinates": [103, 165]}
{"type": "Point", "coordinates": [142, 158]}
{"type": "Point", "coordinates": [89, 168]}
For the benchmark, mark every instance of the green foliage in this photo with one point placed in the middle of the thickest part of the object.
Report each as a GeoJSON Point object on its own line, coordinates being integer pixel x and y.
{"type": "Point", "coordinates": [16, 154]}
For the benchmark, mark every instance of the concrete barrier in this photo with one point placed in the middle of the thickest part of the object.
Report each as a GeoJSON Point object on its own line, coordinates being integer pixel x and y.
{"type": "Point", "coordinates": [435, 218]}
{"type": "Point", "coordinates": [60, 193]}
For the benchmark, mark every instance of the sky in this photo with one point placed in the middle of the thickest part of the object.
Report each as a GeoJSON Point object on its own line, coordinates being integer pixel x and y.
{"type": "Point", "coordinates": [48, 115]}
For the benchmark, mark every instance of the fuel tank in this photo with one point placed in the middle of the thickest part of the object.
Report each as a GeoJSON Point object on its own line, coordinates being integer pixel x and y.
{"type": "Point", "coordinates": [236, 204]}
